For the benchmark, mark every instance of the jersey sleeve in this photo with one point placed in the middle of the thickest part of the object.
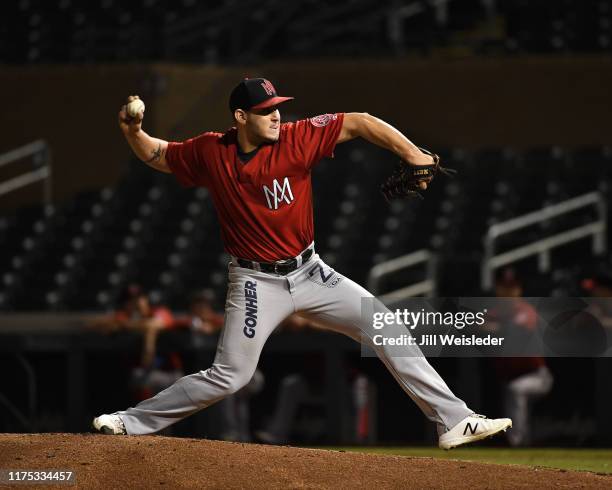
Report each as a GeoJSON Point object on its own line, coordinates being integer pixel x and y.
{"type": "Point", "coordinates": [188, 159]}
{"type": "Point", "coordinates": [316, 137]}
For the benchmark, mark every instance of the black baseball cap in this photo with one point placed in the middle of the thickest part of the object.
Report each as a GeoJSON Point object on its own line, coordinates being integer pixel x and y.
{"type": "Point", "coordinates": [254, 93]}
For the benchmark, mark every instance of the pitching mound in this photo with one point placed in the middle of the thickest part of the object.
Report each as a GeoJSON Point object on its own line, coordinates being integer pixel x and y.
{"type": "Point", "coordinates": [155, 461]}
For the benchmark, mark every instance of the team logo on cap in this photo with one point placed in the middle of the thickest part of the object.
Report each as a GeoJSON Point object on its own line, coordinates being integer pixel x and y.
{"type": "Point", "coordinates": [268, 87]}
{"type": "Point", "coordinates": [322, 120]}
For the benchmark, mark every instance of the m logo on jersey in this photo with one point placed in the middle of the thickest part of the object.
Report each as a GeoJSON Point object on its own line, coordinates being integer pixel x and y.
{"type": "Point", "coordinates": [278, 193]}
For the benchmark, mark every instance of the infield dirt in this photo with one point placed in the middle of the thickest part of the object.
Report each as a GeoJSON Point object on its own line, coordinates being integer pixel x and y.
{"type": "Point", "coordinates": [166, 462]}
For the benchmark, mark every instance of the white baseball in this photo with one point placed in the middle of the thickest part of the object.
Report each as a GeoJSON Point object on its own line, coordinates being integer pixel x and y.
{"type": "Point", "coordinates": [135, 107]}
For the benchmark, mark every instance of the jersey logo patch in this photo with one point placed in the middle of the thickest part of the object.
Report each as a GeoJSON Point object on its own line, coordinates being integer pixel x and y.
{"type": "Point", "coordinates": [278, 194]}
{"type": "Point", "coordinates": [322, 120]}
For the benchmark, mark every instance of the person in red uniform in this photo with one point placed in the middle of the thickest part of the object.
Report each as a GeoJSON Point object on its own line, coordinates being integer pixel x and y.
{"type": "Point", "coordinates": [525, 378]}
{"type": "Point", "coordinates": [202, 317]}
{"type": "Point", "coordinates": [258, 174]}
{"type": "Point", "coordinates": [153, 371]}
{"type": "Point", "coordinates": [599, 288]}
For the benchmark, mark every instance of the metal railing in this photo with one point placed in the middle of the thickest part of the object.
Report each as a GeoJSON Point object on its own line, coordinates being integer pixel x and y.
{"type": "Point", "coordinates": [542, 247]}
{"type": "Point", "coordinates": [41, 154]}
{"type": "Point", "coordinates": [427, 286]}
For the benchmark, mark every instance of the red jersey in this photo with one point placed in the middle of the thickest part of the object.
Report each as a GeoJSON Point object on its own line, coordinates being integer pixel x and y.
{"type": "Point", "coordinates": [523, 316]}
{"type": "Point", "coordinates": [264, 205]}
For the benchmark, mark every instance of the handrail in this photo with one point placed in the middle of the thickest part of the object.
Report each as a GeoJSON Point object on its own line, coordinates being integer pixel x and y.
{"type": "Point", "coordinates": [542, 247]}
{"type": "Point", "coordinates": [37, 149]}
{"type": "Point", "coordinates": [543, 214]}
{"type": "Point", "coordinates": [23, 151]}
{"type": "Point", "coordinates": [427, 286]}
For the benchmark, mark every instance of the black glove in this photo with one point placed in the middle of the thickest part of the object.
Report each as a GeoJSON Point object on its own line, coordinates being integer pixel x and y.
{"type": "Point", "coordinates": [408, 179]}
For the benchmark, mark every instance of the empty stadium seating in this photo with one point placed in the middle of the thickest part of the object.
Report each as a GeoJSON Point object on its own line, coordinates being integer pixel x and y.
{"type": "Point", "coordinates": [37, 31]}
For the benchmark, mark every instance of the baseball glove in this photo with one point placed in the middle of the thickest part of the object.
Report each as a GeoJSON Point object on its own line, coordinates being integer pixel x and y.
{"type": "Point", "coordinates": [407, 179]}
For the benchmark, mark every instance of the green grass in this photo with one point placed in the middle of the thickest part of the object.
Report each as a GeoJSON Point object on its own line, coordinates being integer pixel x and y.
{"type": "Point", "coordinates": [596, 460]}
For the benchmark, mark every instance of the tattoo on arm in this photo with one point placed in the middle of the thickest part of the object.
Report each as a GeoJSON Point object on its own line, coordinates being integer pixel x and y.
{"type": "Point", "coordinates": [157, 154]}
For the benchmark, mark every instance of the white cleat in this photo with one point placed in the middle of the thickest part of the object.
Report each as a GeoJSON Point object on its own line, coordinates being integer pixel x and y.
{"type": "Point", "coordinates": [473, 428]}
{"type": "Point", "coordinates": [111, 425]}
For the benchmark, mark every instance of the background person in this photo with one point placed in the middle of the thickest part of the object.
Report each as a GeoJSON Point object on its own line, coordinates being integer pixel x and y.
{"type": "Point", "coordinates": [525, 378]}
{"type": "Point", "coordinates": [153, 371]}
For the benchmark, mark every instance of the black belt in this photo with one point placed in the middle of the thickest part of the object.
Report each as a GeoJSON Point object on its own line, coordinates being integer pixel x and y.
{"type": "Point", "coordinates": [281, 267]}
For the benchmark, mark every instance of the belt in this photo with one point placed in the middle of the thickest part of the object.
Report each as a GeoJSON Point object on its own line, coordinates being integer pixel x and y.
{"type": "Point", "coordinates": [280, 267]}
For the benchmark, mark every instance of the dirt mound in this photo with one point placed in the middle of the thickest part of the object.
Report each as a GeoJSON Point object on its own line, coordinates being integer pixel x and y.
{"type": "Point", "coordinates": [155, 461]}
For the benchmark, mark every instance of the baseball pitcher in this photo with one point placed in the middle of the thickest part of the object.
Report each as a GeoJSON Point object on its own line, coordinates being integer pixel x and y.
{"type": "Point", "coordinates": [258, 174]}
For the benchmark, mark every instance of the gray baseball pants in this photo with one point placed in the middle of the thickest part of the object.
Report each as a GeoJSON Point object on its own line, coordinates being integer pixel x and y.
{"type": "Point", "coordinates": [256, 304]}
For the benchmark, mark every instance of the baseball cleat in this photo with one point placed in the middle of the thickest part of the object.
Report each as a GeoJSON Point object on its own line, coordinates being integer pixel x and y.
{"type": "Point", "coordinates": [473, 428]}
{"type": "Point", "coordinates": [111, 425]}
